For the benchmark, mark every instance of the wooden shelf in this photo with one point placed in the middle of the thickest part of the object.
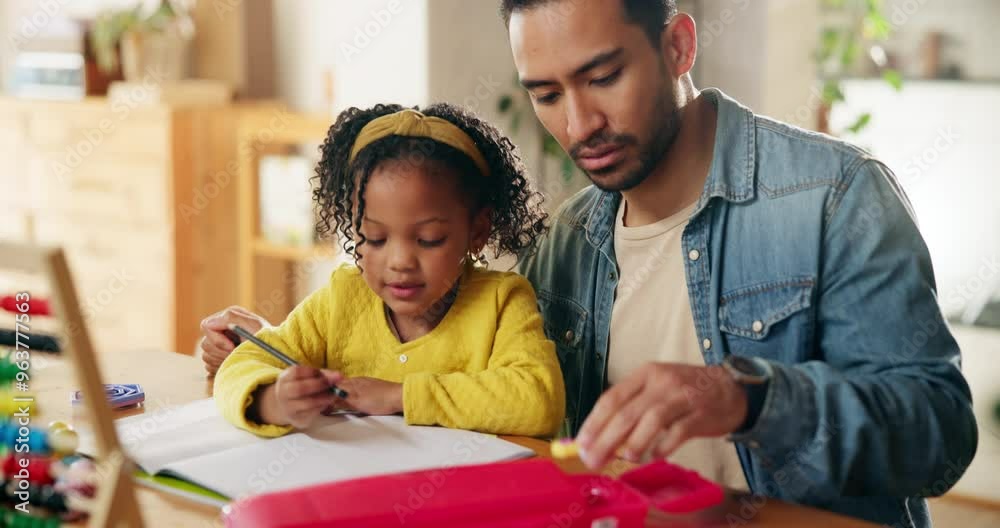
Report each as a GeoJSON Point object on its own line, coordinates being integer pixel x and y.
{"type": "Point", "coordinates": [266, 248]}
{"type": "Point", "coordinates": [266, 266]}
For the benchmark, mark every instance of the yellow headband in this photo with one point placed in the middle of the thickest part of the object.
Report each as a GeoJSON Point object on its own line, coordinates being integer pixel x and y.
{"type": "Point", "coordinates": [412, 123]}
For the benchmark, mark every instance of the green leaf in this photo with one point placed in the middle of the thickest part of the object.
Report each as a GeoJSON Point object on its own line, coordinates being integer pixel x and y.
{"type": "Point", "coordinates": [877, 27]}
{"type": "Point", "coordinates": [515, 122]}
{"type": "Point", "coordinates": [832, 92]}
{"type": "Point", "coordinates": [828, 40]}
{"type": "Point", "coordinates": [893, 78]}
{"type": "Point", "coordinates": [161, 18]}
{"type": "Point", "coordinates": [567, 169]}
{"type": "Point", "coordinates": [107, 32]}
{"type": "Point", "coordinates": [504, 104]}
{"type": "Point", "coordinates": [550, 146]}
{"type": "Point", "coordinates": [850, 50]}
{"type": "Point", "coordinates": [860, 123]}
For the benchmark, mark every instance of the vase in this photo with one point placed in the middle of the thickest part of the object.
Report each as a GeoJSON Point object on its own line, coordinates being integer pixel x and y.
{"type": "Point", "coordinates": [162, 56]}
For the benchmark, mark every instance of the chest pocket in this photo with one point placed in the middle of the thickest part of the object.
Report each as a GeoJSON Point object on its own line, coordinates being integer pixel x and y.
{"type": "Point", "coordinates": [565, 323]}
{"type": "Point", "coordinates": [771, 320]}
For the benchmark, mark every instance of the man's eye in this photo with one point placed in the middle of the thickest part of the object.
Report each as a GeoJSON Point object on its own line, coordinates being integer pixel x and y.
{"type": "Point", "coordinates": [546, 99]}
{"type": "Point", "coordinates": [607, 79]}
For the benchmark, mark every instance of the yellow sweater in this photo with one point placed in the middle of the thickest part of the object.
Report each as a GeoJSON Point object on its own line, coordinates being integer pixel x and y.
{"type": "Point", "coordinates": [487, 366]}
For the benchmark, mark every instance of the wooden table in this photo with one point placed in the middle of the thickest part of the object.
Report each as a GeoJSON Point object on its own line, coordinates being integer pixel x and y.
{"type": "Point", "coordinates": [171, 379]}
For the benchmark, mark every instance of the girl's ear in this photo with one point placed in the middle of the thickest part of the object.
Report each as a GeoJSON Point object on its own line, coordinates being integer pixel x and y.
{"type": "Point", "coordinates": [480, 232]}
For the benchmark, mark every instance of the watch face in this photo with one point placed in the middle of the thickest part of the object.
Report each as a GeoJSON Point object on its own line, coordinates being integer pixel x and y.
{"type": "Point", "coordinates": [748, 367]}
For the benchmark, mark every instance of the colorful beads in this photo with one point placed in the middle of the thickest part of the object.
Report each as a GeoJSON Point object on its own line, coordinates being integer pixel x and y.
{"type": "Point", "coordinates": [58, 424]}
{"type": "Point", "coordinates": [8, 370]}
{"type": "Point", "coordinates": [79, 478]}
{"type": "Point", "coordinates": [64, 441]}
{"type": "Point", "coordinates": [9, 407]}
{"type": "Point", "coordinates": [61, 439]}
{"type": "Point", "coordinates": [28, 469]}
{"type": "Point", "coordinates": [37, 468]}
{"type": "Point", "coordinates": [13, 519]}
{"type": "Point", "coordinates": [11, 434]}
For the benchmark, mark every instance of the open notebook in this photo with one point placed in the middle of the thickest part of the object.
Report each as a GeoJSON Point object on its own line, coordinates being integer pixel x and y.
{"type": "Point", "coordinates": [193, 443]}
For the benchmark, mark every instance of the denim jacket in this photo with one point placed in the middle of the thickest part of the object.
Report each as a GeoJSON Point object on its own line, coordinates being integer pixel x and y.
{"type": "Point", "coordinates": [803, 252]}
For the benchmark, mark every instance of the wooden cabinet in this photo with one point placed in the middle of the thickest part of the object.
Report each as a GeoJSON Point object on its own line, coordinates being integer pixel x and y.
{"type": "Point", "coordinates": [271, 274]}
{"type": "Point", "coordinates": [142, 199]}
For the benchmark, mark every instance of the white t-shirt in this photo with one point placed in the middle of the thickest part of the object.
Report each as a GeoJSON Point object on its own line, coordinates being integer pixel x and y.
{"type": "Point", "coordinates": [651, 321]}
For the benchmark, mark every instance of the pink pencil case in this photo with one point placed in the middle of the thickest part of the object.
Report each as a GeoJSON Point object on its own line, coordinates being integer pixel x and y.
{"type": "Point", "coordinates": [527, 494]}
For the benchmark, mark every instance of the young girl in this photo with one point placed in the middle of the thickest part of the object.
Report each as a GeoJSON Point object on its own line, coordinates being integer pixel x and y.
{"type": "Point", "coordinates": [416, 327]}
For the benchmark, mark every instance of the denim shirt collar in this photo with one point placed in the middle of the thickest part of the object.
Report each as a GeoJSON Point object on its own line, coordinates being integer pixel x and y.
{"type": "Point", "coordinates": [731, 176]}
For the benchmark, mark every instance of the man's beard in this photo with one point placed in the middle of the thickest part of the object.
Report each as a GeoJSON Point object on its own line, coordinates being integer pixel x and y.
{"type": "Point", "coordinates": [664, 134]}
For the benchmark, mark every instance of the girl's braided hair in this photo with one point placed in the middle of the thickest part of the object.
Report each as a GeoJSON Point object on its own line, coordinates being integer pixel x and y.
{"type": "Point", "coordinates": [516, 214]}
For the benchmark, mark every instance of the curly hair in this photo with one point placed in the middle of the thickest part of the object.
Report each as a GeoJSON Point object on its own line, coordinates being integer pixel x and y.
{"type": "Point", "coordinates": [516, 214]}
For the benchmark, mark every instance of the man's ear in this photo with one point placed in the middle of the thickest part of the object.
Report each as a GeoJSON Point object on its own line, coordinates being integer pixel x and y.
{"type": "Point", "coordinates": [679, 44]}
{"type": "Point", "coordinates": [480, 233]}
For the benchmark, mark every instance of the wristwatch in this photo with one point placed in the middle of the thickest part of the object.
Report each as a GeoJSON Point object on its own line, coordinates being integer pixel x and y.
{"type": "Point", "coordinates": [747, 371]}
{"type": "Point", "coordinates": [755, 377]}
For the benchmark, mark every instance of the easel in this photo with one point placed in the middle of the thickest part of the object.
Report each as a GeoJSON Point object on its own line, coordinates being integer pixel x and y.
{"type": "Point", "coordinates": [115, 504]}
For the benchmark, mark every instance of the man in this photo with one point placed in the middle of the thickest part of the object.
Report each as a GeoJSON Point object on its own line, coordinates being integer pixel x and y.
{"type": "Point", "coordinates": [752, 300]}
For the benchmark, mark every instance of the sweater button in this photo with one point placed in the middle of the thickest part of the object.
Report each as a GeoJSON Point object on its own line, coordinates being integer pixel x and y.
{"type": "Point", "coordinates": [402, 358]}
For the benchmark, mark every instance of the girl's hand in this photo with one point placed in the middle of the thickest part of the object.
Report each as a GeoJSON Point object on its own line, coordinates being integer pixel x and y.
{"type": "Point", "coordinates": [371, 395]}
{"type": "Point", "coordinates": [298, 397]}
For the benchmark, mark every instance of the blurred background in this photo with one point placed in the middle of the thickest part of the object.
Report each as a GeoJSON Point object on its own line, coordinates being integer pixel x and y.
{"type": "Point", "coordinates": [169, 145]}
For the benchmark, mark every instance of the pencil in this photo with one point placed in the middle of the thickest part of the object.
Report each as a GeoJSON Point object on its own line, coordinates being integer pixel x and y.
{"type": "Point", "coordinates": [341, 393]}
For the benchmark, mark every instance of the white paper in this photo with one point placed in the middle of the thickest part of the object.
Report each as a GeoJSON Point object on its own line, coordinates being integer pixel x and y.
{"type": "Point", "coordinates": [195, 443]}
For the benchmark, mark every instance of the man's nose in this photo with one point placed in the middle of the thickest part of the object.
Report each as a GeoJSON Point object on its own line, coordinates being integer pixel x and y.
{"type": "Point", "coordinates": [583, 119]}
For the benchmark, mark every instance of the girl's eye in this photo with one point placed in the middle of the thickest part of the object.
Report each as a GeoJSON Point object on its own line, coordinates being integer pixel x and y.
{"type": "Point", "coordinates": [431, 243]}
{"type": "Point", "coordinates": [376, 242]}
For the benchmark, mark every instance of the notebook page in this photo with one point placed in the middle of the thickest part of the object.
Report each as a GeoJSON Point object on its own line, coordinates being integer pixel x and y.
{"type": "Point", "coordinates": [161, 436]}
{"type": "Point", "coordinates": [340, 448]}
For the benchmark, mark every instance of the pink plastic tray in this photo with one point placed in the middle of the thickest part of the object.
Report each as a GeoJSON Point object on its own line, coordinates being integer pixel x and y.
{"type": "Point", "coordinates": [527, 494]}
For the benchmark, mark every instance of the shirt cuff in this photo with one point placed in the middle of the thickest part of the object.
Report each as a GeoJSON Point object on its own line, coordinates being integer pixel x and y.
{"type": "Point", "coordinates": [247, 397]}
{"type": "Point", "coordinates": [416, 399]}
{"type": "Point", "coordinates": [786, 417]}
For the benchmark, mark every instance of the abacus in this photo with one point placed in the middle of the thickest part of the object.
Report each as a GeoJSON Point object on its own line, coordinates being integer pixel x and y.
{"type": "Point", "coordinates": [56, 479]}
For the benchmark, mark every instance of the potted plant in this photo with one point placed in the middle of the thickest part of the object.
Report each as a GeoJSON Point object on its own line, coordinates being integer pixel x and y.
{"type": "Point", "coordinates": [156, 42]}
{"type": "Point", "coordinates": [851, 43]}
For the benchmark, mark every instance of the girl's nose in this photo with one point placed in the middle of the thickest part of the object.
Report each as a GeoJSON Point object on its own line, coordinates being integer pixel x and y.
{"type": "Point", "coordinates": [401, 258]}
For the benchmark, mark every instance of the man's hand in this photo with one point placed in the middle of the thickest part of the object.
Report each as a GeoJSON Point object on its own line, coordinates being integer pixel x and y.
{"type": "Point", "coordinates": [218, 341]}
{"type": "Point", "coordinates": [372, 396]}
{"type": "Point", "coordinates": [658, 408]}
